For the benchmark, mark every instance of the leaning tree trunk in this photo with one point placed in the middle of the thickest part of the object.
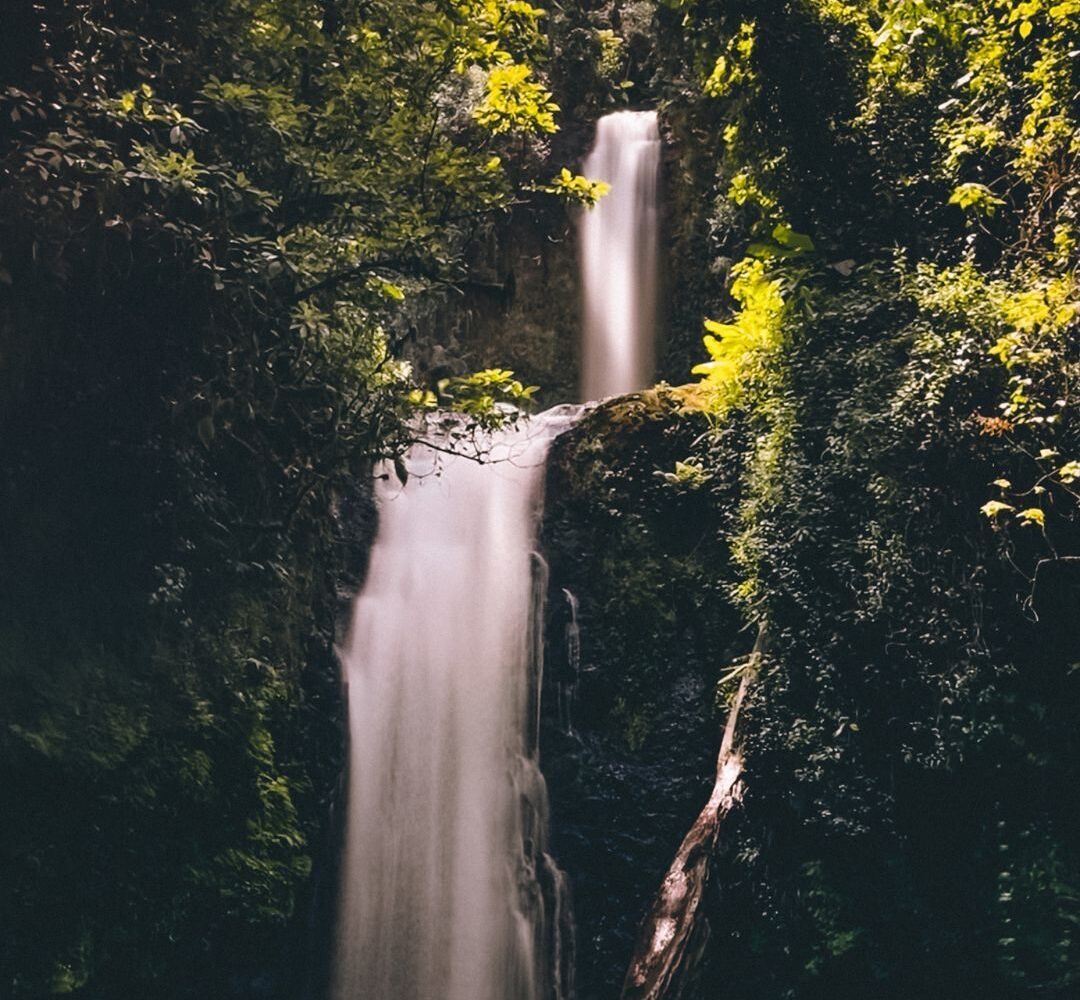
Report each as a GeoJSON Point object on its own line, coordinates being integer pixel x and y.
{"type": "Point", "coordinates": [665, 945]}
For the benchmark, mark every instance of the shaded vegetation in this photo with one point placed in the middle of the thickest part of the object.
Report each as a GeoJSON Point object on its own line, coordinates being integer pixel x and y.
{"type": "Point", "coordinates": [894, 198]}
{"type": "Point", "coordinates": [222, 226]}
{"type": "Point", "coordinates": [630, 715]}
{"type": "Point", "coordinates": [213, 220]}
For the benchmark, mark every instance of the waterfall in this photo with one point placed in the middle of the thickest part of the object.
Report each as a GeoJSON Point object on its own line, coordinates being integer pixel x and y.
{"type": "Point", "coordinates": [447, 890]}
{"type": "Point", "coordinates": [567, 689]}
{"type": "Point", "coordinates": [619, 241]}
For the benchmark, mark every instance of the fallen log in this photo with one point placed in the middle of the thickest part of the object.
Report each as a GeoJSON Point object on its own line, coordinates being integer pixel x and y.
{"type": "Point", "coordinates": [665, 945]}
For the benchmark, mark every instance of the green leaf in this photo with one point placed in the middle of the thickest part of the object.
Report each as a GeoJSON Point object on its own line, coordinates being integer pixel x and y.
{"type": "Point", "coordinates": [1069, 472]}
{"type": "Point", "coordinates": [975, 197]}
{"type": "Point", "coordinates": [392, 291]}
{"type": "Point", "coordinates": [787, 237]}
{"type": "Point", "coordinates": [992, 508]}
{"type": "Point", "coordinates": [1032, 515]}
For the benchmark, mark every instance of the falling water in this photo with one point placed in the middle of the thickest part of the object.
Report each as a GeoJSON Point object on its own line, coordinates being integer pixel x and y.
{"type": "Point", "coordinates": [567, 689]}
{"type": "Point", "coordinates": [619, 256]}
{"type": "Point", "coordinates": [448, 893]}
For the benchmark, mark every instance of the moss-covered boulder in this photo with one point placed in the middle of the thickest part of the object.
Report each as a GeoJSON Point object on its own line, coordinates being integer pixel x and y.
{"type": "Point", "coordinates": [639, 630]}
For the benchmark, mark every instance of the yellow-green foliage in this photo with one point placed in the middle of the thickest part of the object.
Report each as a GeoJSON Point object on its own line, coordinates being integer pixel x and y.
{"type": "Point", "coordinates": [1017, 91]}
{"type": "Point", "coordinates": [745, 189]}
{"type": "Point", "coordinates": [576, 188]}
{"type": "Point", "coordinates": [988, 89]}
{"type": "Point", "coordinates": [490, 397]}
{"type": "Point", "coordinates": [493, 32]}
{"type": "Point", "coordinates": [612, 54]}
{"type": "Point", "coordinates": [514, 102]}
{"type": "Point", "coordinates": [740, 350]}
{"type": "Point", "coordinates": [1026, 319]}
{"type": "Point", "coordinates": [976, 197]}
{"type": "Point", "coordinates": [732, 67]}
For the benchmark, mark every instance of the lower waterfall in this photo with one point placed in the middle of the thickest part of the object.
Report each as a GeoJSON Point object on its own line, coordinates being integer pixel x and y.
{"type": "Point", "coordinates": [447, 890]}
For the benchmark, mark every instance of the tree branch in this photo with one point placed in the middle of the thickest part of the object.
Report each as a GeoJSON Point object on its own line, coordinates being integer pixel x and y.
{"type": "Point", "coordinates": [663, 953]}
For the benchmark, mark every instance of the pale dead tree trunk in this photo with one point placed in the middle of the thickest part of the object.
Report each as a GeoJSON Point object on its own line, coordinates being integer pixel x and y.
{"type": "Point", "coordinates": [664, 947]}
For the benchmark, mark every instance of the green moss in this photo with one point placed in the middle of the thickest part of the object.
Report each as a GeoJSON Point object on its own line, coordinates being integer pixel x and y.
{"type": "Point", "coordinates": [646, 556]}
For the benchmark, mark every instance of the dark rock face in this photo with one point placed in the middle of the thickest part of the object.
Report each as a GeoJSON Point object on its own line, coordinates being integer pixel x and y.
{"type": "Point", "coordinates": [629, 738]}
{"type": "Point", "coordinates": [356, 520]}
{"type": "Point", "coordinates": [520, 308]}
{"type": "Point", "coordinates": [518, 311]}
{"type": "Point", "coordinates": [618, 817]}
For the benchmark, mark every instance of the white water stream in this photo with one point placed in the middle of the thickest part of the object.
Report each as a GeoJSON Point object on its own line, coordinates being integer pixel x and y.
{"type": "Point", "coordinates": [444, 860]}
{"type": "Point", "coordinates": [619, 248]}
{"type": "Point", "coordinates": [447, 890]}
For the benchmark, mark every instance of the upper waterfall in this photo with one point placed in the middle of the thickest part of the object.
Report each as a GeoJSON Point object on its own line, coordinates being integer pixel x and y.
{"type": "Point", "coordinates": [619, 240]}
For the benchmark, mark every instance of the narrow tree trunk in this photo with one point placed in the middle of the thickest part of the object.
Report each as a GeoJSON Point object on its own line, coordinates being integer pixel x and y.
{"type": "Point", "coordinates": [664, 946]}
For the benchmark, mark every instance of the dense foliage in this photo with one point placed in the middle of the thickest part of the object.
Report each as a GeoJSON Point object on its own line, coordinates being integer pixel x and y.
{"type": "Point", "coordinates": [640, 632]}
{"type": "Point", "coordinates": [895, 189]}
{"type": "Point", "coordinates": [221, 225]}
{"type": "Point", "coordinates": [213, 219]}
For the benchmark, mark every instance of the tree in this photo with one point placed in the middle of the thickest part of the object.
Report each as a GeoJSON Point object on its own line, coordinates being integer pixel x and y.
{"type": "Point", "coordinates": [213, 218]}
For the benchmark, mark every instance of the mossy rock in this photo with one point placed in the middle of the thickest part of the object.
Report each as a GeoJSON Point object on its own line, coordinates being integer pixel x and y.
{"type": "Point", "coordinates": [630, 738]}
